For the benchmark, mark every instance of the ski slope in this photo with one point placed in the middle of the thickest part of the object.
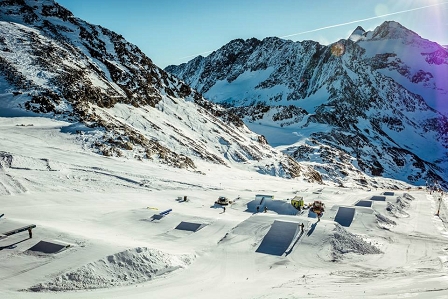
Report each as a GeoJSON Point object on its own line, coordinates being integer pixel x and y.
{"type": "Point", "coordinates": [100, 210]}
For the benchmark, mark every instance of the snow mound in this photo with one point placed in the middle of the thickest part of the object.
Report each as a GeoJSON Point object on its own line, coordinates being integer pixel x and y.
{"type": "Point", "coordinates": [124, 268]}
{"type": "Point", "coordinates": [408, 196]}
{"type": "Point", "coordinates": [384, 222]}
{"type": "Point", "coordinates": [398, 208]}
{"type": "Point", "coordinates": [403, 203]}
{"type": "Point", "coordinates": [345, 242]}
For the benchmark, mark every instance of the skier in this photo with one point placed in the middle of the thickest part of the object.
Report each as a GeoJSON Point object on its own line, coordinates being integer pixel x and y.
{"type": "Point", "coordinates": [265, 209]}
{"type": "Point", "coordinates": [224, 208]}
{"type": "Point", "coordinates": [301, 227]}
{"type": "Point", "coordinates": [258, 209]}
{"type": "Point", "coordinates": [30, 233]}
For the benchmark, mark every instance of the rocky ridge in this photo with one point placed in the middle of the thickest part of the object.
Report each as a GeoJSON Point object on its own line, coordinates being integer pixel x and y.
{"type": "Point", "coordinates": [56, 65]}
{"type": "Point", "coordinates": [375, 103]}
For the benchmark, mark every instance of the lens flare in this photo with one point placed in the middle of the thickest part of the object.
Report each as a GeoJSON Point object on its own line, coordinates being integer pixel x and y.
{"type": "Point", "coordinates": [338, 49]}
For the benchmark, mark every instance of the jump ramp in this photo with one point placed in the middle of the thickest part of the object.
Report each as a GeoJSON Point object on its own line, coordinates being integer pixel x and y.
{"type": "Point", "coordinates": [48, 247]}
{"type": "Point", "coordinates": [388, 193]}
{"type": "Point", "coordinates": [311, 214]}
{"type": "Point", "coordinates": [378, 198]}
{"type": "Point", "coordinates": [189, 226]}
{"type": "Point", "coordinates": [364, 203]}
{"type": "Point", "coordinates": [278, 238]}
{"type": "Point", "coordinates": [345, 216]}
{"type": "Point", "coordinates": [260, 201]}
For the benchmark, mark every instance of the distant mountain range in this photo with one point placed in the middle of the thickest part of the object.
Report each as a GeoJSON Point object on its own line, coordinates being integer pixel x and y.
{"type": "Point", "coordinates": [375, 103]}
{"type": "Point", "coordinates": [120, 104]}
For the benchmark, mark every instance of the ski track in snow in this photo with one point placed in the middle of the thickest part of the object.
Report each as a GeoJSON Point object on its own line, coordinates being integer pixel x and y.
{"type": "Point", "coordinates": [9, 185]}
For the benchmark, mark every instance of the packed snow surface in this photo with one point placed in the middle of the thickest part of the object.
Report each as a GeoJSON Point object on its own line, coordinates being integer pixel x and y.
{"type": "Point", "coordinates": [118, 217]}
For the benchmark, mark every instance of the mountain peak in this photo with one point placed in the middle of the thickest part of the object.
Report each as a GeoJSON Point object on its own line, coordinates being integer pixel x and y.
{"type": "Point", "coordinates": [357, 34]}
{"type": "Point", "coordinates": [32, 12]}
{"type": "Point", "coordinates": [392, 30]}
{"type": "Point", "coordinates": [59, 66]}
{"type": "Point", "coordinates": [379, 86]}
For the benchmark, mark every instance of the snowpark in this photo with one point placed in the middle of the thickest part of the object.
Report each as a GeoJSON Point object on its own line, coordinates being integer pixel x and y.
{"type": "Point", "coordinates": [115, 228]}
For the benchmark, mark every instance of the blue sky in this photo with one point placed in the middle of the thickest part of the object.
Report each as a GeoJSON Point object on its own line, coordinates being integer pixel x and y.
{"type": "Point", "coordinates": [175, 31]}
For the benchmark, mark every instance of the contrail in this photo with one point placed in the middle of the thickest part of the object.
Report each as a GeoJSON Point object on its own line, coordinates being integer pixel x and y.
{"type": "Point", "coordinates": [206, 52]}
{"type": "Point", "coordinates": [362, 20]}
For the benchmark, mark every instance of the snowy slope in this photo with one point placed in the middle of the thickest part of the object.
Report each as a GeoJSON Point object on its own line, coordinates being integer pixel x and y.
{"type": "Point", "coordinates": [101, 209]}
{"type": "Point", "coordinates": [119, 103]}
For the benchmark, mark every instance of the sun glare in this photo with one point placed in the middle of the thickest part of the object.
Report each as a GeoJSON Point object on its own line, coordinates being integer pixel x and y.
{"type": "Point", "coordinates": [337, 49]}
{"type": "Point", "coordinates": [381, 9]}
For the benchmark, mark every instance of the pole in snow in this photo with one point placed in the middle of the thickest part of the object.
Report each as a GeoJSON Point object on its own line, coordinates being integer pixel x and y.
{"type": "Point", "coordinates": [438, 210]}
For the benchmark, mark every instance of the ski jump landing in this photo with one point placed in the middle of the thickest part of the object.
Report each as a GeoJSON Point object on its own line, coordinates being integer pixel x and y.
{"type": "Point", "coordinates": [345, 216]}
{"type": "Point", "coordinates": [364, 203]}
{"type": "Point", "coordinates": [278, 238]}
{"type": "Point", "coordinates": [48, 247]}
{"type": "Point", "coordinates": [189, 226]}
{"type": "Point", "coordinates": [378, 198]}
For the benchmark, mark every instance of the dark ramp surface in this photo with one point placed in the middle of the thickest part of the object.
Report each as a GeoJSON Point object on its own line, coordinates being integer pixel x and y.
{"type": "Point", "coordinates": [345, 216]}
{"type": "Point", "coordinates": [364, 203]}
{"type": "Point", "coordinates": [278, 238]}
{"type": "Point", "coordinates": [48, 247]}
{"type": "Point", "coordinates": [189, 226]}
{"type": "Point", "coordinates": [311, 214]}
{"type": "Point", "coordinates": [378, 198]}
{"type": "Point", "coordinates": [388, 193]}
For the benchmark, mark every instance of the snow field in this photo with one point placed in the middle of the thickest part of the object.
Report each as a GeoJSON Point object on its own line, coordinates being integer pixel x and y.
{"type": "Point", "coordinates": [103, 208]}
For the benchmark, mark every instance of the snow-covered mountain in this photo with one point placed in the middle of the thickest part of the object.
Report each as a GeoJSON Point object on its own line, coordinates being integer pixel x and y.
{"type": "Point", "coordinates": [56, 65]}
{"type": "Point", "coordinates": [376, 102]}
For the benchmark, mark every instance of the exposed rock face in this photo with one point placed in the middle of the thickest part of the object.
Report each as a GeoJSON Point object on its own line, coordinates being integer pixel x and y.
{"type": "Point", "coordinates": [374, 103]}
{"type": "Point", "coordinates": [56, 65]}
